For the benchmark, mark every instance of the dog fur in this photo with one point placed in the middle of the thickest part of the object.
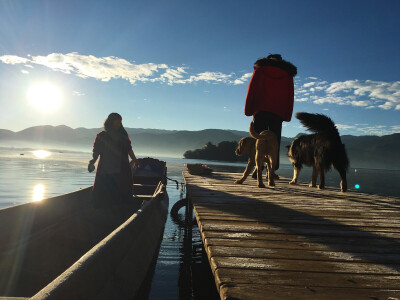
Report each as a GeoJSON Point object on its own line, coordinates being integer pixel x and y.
{"type": "Point", "coordinates": [247, 145]}
{"type": "Point", "coordinates": [266, 149]}
{"type": "Point", "coordinates": [320, 150]}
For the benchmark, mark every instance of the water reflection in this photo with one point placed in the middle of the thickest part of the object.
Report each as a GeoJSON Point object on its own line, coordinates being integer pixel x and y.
{"type": "Point", "coordinates": [41, 153]}
{"type": "Point", "coordinates": [195, 277]}
{"type": "Point", "coordinates": [38, 192]}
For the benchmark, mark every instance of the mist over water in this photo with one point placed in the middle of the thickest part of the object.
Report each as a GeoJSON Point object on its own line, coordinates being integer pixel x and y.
{"type": "Point", "coordinates": [180, 273]}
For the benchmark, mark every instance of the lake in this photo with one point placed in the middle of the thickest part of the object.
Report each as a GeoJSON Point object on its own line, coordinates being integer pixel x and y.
{"type": "Point", "coordinates": [182, 270]}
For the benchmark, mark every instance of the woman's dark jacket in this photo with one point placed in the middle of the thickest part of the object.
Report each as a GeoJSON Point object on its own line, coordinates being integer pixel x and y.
{"type": "Point", "coordinates": [113, 148]}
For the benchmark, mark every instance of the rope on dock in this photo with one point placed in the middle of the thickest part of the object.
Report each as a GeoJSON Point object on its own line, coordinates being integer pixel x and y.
{"type": "Point", "coordinates": [178, 183]}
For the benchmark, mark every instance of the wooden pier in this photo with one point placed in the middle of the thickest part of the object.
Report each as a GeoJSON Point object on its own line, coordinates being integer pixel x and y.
{"type": "Point", "coordinates": [296, 242]}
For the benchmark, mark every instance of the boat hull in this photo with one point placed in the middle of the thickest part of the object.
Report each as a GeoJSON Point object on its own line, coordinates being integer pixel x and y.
{"type": "Point", "coordinates": [66, 248]}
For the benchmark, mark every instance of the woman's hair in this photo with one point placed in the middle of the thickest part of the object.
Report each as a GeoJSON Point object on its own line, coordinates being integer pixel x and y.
{"type": "Point", "coordinates": [263, 61]}
{"type": "Point", "coordinates": [109, 122]}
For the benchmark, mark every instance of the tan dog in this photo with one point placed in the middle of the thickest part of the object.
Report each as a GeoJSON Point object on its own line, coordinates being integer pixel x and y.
{"type": "Point", "coordinates": [266, 150]}
{"type": "Point", "coordinates": [247, 145]}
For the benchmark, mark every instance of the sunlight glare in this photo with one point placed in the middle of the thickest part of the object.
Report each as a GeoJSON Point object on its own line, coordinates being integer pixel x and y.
{"type": "Point", "coordinates": [45, 96]}
{"type": "Point", "coordinates": [38, 192]}
{"type": "Point", "coordinates": [41, 153]}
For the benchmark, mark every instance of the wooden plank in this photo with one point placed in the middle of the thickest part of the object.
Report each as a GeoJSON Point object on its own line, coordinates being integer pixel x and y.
{"type": "Point", "coordinates": [308, 230]}
{"type": "Point", "coordinates": [303, 265]}
{"type": "Point", "coordinates": [290, 278]}
{"type": "Point", "coordinates": [295, 242]}
{"type": "Point", "coordinates": [303, 254]}
{"type": "Point", "coordinates": [367, 246]}
{"type": "Point", "coordinates": [251, 292]}
{"type": "Point", "coordinates": [363, 222]}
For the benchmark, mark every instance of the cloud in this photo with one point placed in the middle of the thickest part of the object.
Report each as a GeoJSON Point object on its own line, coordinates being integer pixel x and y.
{"type": "Point", "coordinates": [107, 68]}
{"type": "Point", "coordinates": [103, 68]}
{"type": "Point", "coordinates": [395, 128]}
{"type": "Point", "coordinates": [13, 60]}
{"type": "Point", "coordinates": [172, 76]}
{"type": "Point", "coordinates": [365, 129]}
{"type": "Point", "coordinates": [344, 127]}
{"type": "Point", "coordinates": [308, 84]}
{"type": "Point", "coordinates": [378, 130]}
{"type": "Point", "coordinates": [211, 77]}
{"type": "Point", "coordinates": [24, 72]}
{"type": "Point", "coordinates": [385, 95]}
{"type": "Point", "coordinates": [304, 99]}
{"type": "Point", "coordinates": [365, 94]}
{"type": "Point", "coordinates": [242, 79]}
{"type": "Point", "coordinates": [78, 94]}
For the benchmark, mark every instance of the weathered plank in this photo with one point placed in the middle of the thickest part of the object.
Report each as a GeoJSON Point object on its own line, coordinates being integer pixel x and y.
{"type": "Point", "coordinates": [296, 242]}
{"type": "Point", "coordinates": [290, 278]}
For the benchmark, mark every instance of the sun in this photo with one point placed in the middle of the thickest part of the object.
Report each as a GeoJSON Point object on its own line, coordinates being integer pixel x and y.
{"type": "Point", "coordinates": [45, 96]}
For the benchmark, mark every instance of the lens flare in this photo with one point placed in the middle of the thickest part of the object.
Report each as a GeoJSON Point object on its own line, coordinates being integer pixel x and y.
{"type": "Point", "coordinates": [38, 192]}
{"type": "Point", "coordinates": [41, 153]}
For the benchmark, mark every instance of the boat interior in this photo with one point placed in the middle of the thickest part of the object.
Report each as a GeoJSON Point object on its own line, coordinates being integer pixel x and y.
{"type": "Point", "coordinates": [40, 240]}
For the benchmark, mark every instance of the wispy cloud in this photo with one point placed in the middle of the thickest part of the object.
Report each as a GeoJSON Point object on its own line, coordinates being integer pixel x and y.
{"type": "Point", "coordinates": [367, 94]}
{"type": "Point", "coordinates": [78, 94]}
{"type": "Point", "coordinates": [344, 127]}
{"type": "Point", "coordinates": [13, 60]}
{"type": "Point", "coordinates": [366, 129]}
{"type": "Point", "coordinates": [243, 79]}
{"type": "Point", "coordinates": [303, 99]}
{"type": "Point", "coordinates": [107, 68]}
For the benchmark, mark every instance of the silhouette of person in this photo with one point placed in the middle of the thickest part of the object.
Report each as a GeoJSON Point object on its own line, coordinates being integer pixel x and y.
{"type": "Point", "coordinates": [114, 180]}
{"type": "Point", "coordinates": [270, 95]}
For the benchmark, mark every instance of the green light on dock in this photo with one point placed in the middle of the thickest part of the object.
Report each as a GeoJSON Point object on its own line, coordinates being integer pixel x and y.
{"type": "Point", "coordinates": [357, 186]}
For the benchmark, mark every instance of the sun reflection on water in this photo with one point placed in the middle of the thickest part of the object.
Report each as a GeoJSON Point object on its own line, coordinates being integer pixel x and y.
{"type": "Point", "coordinates": [38, 192]}
{"type": "Point", "coordinates": [41, 153]}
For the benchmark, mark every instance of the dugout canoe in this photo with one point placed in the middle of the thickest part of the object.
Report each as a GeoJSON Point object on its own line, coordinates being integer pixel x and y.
{"type": "Point", "coordinates": [65, 248]}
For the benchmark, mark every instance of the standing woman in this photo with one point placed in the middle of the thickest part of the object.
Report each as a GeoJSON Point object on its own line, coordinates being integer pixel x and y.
{"type": "Point", "coordinates": [270, 95]}
{"type": "Point", "coordinates": [114, 181]}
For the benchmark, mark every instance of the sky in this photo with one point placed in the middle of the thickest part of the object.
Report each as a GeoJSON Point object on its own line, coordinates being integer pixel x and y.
{"type": "Point", "coordinates": [186, 65]}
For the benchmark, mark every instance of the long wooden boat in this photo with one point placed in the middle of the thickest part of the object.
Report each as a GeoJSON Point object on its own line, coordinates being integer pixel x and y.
{"type": "Point", "coordinates": [65, 248]}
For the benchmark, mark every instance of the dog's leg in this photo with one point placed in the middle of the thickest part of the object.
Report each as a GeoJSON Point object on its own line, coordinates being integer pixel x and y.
{"type": "Point", "coordinates": [343, 180]}
{"type": "Point", "coordinates": [259, 162]}
{"type": "Point", "coordinates": [270, 172]}
{"type": "Point", "coordinates": [314, 176]}
{"type": "Point", "coordinates": [321, 178]}
{"type": "Point", "coordinates": [296, 172]}
{"type": "Point", "coordinates": [249, 168]}
{"type": "Point", "coordinates": [254, 175]}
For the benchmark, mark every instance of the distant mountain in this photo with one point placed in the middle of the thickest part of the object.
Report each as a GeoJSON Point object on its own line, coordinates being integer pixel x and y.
{"type": "Point", "coordinates": [363, 151]}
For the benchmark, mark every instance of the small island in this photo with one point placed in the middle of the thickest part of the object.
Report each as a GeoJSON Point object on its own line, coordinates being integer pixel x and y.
{"type": "Point", "coordinates": [223, 151]}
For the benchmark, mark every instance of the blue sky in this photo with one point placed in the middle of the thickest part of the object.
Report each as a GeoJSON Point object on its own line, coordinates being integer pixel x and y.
{"type": "Point", "coordinates": [186, 65]}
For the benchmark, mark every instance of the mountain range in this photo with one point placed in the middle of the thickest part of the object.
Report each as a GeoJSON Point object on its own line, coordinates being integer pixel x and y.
{"type": "Point", "coordinates": [363, 151]}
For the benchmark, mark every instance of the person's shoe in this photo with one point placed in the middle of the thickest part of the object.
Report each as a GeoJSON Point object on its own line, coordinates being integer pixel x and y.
{"type": "Point", "coordinates": [276, 176]}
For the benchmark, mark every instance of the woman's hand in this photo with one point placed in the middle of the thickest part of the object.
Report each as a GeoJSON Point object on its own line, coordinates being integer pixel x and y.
{"type": "Point", "coordinates": [91, 167]}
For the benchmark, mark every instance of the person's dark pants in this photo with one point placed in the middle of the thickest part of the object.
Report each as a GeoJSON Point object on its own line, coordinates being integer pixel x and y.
{"type": "Point", "coordinates": [268, 121]}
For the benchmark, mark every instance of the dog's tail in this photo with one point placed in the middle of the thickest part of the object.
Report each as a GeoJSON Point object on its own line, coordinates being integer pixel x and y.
{"type": "Point", "coordinates": [264, 135]}
{"type": "Point", "coordinates": [317, 123]}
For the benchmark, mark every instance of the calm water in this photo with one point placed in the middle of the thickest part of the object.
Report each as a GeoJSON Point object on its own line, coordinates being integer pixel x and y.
{"type": "Point", "coordinates": [182, 270]}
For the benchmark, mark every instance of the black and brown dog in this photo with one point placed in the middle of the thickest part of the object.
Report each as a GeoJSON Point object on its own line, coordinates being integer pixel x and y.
{"type": "Point", "coordinates": [320, 150]}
